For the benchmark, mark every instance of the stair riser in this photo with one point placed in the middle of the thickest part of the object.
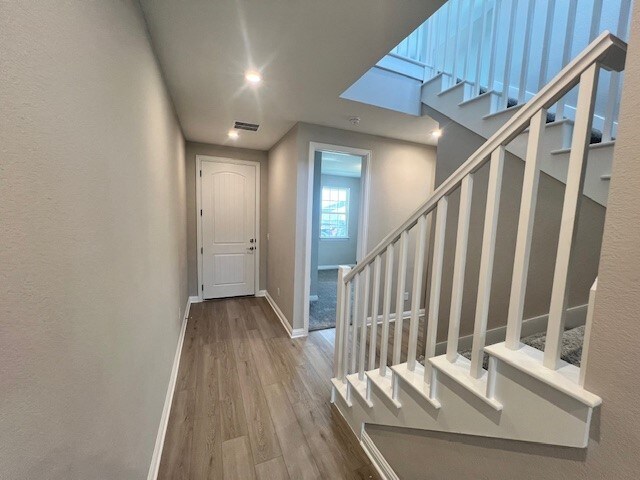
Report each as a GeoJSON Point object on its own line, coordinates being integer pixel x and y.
{"type": "Point", "coordinates": [535, 411]}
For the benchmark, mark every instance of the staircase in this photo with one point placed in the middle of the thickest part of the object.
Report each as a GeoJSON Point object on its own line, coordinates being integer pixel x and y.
{"type": "Point", "coordinates": [481, 114]}
{"type": "Point", "coordinates": [525, 394]}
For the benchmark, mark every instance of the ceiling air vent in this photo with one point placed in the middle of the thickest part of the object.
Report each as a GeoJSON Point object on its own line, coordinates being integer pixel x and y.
{"type": "Point", "coordinates": [252, 127]}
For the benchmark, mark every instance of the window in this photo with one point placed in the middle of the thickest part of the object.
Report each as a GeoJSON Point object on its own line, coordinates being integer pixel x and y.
{"type": "Point", "coordinates": [334, 213]}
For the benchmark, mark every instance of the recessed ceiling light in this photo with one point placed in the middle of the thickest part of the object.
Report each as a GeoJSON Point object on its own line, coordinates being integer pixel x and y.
{"type": "Point", "coordinates": [233, 134]}
{"type": "Point", "coordinates": [253, 77]}
{"type": "Point", "coordinates": [436, 133]}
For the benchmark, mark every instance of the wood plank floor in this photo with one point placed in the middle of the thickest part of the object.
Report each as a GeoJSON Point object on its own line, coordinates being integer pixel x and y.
{"type": "Point", "coordinates": [250, 402]}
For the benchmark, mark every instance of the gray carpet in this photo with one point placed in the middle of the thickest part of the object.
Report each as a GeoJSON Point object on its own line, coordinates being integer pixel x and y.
{"type": "Point", "coordinates": [322, 312]}
{"type": "Point", "coordinates": [572, 340]}
{"type": "Point", "coordinates": [571, 346]}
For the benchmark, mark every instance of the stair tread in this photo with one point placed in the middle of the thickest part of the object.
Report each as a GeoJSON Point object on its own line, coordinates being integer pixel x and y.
{"type": "Point", "coordinates": [454, 87]}
{"type": "Point", "coordinates": [360, 387]}
{"type": "Point", "coordinates": [503, 111]}
{"type": "Point", "coordinates": [341, 388]}
{"type": "Point", "coordinates": [592, 146]}
{"type": "Point", "coordinates": [384, 384]}
{"type": "Point", "coordinates": [415, 379]}
{"type": "Point", "coordinates": [529, 360]}
{"type": "Point", "coordinates": [459, 372]}
{"type": "Point", "coordinates": [477, 98]}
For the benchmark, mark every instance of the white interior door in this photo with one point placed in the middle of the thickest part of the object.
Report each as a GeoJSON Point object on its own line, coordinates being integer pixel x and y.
{"type": "Point", "coordinates": [228, 229]}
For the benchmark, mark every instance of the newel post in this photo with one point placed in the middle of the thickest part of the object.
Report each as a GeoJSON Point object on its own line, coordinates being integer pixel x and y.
{"type": "Point", "coordinates": [338, 366]}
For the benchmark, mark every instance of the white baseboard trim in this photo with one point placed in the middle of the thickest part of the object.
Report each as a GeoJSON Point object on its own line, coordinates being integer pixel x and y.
{"type": "Point", "coordinates": [166, 411]}
{"type": "Point", "coordinates": [261, 293]}
{"type": "Point", "coordinates": [293, 332]}
{"type": "Point", "coordinates": [194, 299]}
{"type": "Point", "coordinates": [392, 316]}
{"type": "Point", "coordinates": [576, 316]}
{"type": "Point", "coordinates": [334, 267]}
{"type": "Point", "coordinates": [377, 459]}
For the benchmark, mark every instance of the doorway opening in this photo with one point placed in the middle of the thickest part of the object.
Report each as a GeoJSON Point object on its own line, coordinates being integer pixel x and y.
{"type": "Point", "coordinates": [337, 219]}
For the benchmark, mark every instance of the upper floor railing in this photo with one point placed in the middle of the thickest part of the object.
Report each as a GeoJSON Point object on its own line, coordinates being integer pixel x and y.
{"type": "Point", "coordinates": [364, 293]}
{"type": "Point", "coordinates": [519, 44]}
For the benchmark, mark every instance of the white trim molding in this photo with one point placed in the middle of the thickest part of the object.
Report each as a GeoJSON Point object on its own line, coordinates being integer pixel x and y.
{"type": "Point", "coordinates": [166, 411]}
{"type": "Point", "coordinates": [194, 299]}
{"type": "Point", "coordinates": [363, 214]}
{"type": "Point", "coordinates": [333, 267]}
{"type": "Point", "coordinates": [261, 293]}
{"type": "Point", "coordinates": [293, 332]}
{"type": "Point", "coordinates": [209, 158]}
{"type": "Point", "coordinates": [377, 459]}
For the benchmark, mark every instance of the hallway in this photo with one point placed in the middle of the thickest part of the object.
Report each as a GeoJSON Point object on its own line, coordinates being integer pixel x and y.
{"type": "Point", "coordinates": [252, 403]}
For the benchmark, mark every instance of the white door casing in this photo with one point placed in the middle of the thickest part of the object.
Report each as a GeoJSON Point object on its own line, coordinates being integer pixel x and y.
{"type": "Point", "coordinates": [229, 236]}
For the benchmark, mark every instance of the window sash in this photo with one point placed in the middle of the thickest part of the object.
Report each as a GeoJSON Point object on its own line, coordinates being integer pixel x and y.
{"type": "Point", "coordinates": [334, 213]}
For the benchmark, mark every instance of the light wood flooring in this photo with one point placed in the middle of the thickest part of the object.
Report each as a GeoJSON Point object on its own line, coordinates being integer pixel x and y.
{"type": "Point", "coordinates": [250, 402]}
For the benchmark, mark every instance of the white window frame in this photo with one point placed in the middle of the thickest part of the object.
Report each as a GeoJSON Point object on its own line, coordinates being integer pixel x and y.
{"type": "Point", "coordinates": [346, 214]}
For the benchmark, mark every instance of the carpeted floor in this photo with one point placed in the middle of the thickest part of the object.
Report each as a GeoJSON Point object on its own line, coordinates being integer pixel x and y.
{"type": "Point", "coordinates": [572, 340]}
{"type": "Point", "coordinates": [322, 312]}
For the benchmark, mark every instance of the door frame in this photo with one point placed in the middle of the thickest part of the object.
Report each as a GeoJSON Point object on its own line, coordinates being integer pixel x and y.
{"type": "Point", "coordinates": [256, 259]}
{"type": "Point", "coordinates": [363, 214]}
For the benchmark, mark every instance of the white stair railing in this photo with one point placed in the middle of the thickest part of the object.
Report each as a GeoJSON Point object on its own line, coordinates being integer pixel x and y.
{"type": "Point", "coordinates": [464, 40]}
{"type": "Point", "coordinates": [359, 296]}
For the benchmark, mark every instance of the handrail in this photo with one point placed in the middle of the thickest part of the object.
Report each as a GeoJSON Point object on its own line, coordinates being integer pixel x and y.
{"type": "Point", "coordinates": [607, 50]}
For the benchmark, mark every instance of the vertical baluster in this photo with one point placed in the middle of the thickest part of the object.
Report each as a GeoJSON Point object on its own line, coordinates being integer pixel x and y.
{"type": "Point", "coordinates": [570, 212]}
{"type": "Point", "coordinates": [418, 270]}
{"type": "Point", "coordinates": [525, 229]}
{"type": "Point", "coordinates": [587, 333]}
{"type": "Point", "coordinates": [419, 50]}
{"type": "Point", "coordinates": [494, 44]}
{"type": "Point", "coordinates": [363, 322]}
{"type": "Point", "coordinates": [613, 99]}
{"type": "Point", "coordinates": [345, 330]}
{"type": "Point", "coordinates": [436, 283]}
{"type": "Point", "coordinates": [546, 43]}
{"type": "Point", "coordinates": [526, 52]}
{"type": "Point", "coordinates": [373, 339]}
{"type": "Point", "coordinates": [596, 16]}
{"type": "Point", "coordinates": [456, 43]}
{"type": "Point", "coordinates": [486, 21]}
{"type": "Point", "coordinates": [427, 30]}
{"type": "Point", "coordinates": [400, 283]}
{"type": "Point", "coordinates": [466, 194]}
{"type": "Point", "coordinates": [486, 261]}
{"type": "Point", "coordinates": [447, 20]}
{"type": "Point", "coordinates": [386, 307]}
{"type": "Point", "coordinates": [568, 48]}
{"type": "Point", "coordinates": [340, 344]}
{"type": "Point", "coordinates": [506, 74]}
{"type": "Point", "coordinates": [354, 322]}
{"type": "Point", "coordinates": [467, 57]}
{"type": "Point", "coordinates": [435, 47]}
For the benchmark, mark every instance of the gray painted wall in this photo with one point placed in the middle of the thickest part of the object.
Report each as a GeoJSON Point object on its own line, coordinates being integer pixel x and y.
{"type": "Point", "coordinates": [613, 358]}
{"type": "Point", "coordinates": [342, 251]}
{"type": "Point", "coordinates": [224, 151]}
{"type": "Point", "coordinates": [402, 176]}
{"type": "Point", "coordinates": [283, 206]}
{"type": "Point", "coordinates": [93, 283]}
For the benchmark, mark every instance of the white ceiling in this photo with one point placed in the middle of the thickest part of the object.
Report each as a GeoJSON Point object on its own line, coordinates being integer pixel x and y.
{"type": "Point", "coordinates": [309, 52]}
{"type": "Point", "coordinates": [341, 164]}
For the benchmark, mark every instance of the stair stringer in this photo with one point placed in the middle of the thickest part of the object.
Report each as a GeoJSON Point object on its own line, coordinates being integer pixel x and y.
{"type": "Point", "coordinates": [478, 115]}
{"type": "Point", "coordinates": [532, 410]}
